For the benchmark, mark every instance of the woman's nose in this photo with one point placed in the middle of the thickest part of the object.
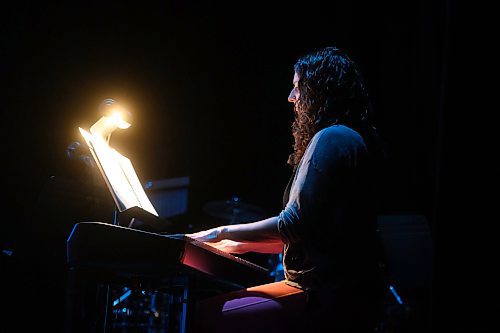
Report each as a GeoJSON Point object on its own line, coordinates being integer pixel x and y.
{"type": "Point", "coordinates": [291, 97]}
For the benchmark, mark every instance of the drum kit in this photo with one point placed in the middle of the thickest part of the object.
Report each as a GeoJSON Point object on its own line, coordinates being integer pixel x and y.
{"type": "Point", "coordinates": [234, 211]}
{"type": "Point", "coordinates": [151, 311]}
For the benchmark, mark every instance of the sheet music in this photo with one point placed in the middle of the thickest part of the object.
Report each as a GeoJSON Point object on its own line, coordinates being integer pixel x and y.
{"type": "Point", "coordinates": [119, 173]}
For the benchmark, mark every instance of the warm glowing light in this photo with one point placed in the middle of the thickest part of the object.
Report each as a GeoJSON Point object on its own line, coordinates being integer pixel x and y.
{"type": "Point", "coordinates": [109, 123]}
{"type": "Point", "coordinates": [118, 117]}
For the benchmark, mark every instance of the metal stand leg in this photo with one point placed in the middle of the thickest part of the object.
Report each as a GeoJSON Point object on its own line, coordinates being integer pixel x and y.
{"type": "Point", "coordinates": [108, 306]}
{"type": "Point", "coordinates": [185, 308]}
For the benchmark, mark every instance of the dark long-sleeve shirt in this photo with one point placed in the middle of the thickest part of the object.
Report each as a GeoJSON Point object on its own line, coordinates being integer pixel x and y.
{"type": "Point", "coordinates": [328, 223]}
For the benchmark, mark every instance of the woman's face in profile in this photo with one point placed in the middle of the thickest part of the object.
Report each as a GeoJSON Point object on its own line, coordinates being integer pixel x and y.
{"type": "Point", "coordinates": [294, 94]}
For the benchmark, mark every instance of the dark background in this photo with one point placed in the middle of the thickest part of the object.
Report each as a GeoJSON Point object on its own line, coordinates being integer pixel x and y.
{"type": "Point", "coordinates": [207, 85]}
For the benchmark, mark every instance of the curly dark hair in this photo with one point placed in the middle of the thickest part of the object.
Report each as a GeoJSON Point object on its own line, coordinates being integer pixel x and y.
{"type": "Point", "coordinates": [332, 91]}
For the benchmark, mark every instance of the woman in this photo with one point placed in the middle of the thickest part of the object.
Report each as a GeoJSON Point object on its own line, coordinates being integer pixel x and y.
{"type": "Point", "coordinates": [327, 228]}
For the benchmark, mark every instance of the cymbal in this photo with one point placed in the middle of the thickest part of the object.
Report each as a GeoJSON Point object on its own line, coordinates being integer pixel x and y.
{"type": "Point", "coordinates": [234, 211]}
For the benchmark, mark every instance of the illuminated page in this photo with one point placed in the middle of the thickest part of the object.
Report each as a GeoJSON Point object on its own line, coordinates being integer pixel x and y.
{"type": "Point", "coordinates": [120, 175]}
{"type": "Point", "coordinates": [134, 183]}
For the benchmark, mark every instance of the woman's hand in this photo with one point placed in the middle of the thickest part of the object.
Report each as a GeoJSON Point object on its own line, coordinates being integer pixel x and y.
{"type": "Point", "coordinates": [210, 235]}
{"type": "Point", "coordinates": [214, 238]}
{"type": "Point", "coordinates": [230, 246]}
{"type": "Point", "coordinates": [234, 247]}
{"type": "Point", "coordinates": [260, 236]}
